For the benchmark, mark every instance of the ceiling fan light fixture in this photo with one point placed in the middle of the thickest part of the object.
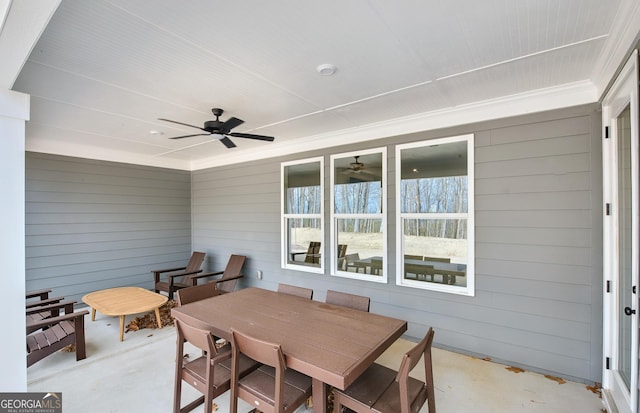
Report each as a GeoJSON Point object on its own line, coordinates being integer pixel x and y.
{"type": "Point", "coordinates": [326, 69]}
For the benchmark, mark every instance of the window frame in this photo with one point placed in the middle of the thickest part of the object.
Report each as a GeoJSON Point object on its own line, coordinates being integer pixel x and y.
{"type": "Point", "coordinates": [469, 290]}
{"type": "Point", "coordinates": [382, 216]}
{"type": "Point", "coordinates": [284, 236]}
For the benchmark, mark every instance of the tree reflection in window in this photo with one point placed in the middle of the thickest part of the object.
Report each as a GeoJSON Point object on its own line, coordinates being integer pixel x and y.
{"type": "Point", "coordinates": [303, 224]}
{"type": "Point", "coordinates": [358, 240]}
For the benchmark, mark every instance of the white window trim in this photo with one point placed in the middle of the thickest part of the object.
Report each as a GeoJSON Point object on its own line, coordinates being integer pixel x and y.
{"type": "Point", "coordinates": [283, 229]}
{"type": "Point", "coordinates": [469, 290]}
{"type": "Point", "coordinates": [383, 216]}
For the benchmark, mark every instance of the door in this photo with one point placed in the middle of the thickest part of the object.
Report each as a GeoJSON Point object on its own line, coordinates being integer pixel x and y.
{"type": "Point", "coordinates": [621, 242]}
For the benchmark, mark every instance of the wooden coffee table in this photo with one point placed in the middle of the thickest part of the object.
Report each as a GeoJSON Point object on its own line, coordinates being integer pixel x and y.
{"type": "Point", "coordinates": [123, 301]}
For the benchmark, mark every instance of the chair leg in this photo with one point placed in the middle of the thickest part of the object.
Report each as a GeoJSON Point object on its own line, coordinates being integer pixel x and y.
{"type": "Point", "coordinates": [177, 393]}
{"type": "Point", "coordinates": [81, 349]}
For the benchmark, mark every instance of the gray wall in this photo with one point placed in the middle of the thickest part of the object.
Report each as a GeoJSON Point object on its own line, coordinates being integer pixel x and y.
{"type": "Point", "coordinates": [538, 301]}
{"type": "Point", "coordinates": [92, 225]}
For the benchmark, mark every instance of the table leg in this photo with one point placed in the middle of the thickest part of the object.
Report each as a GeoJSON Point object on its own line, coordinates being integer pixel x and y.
{"type": "Point", "coordinates": [122, 328]}
{"type": "Point", "coordinates": [319, 390]}
{"type": "Point", "coordinates": [93, 314]}
{"type": "Point", "coordinates": [158, 319]}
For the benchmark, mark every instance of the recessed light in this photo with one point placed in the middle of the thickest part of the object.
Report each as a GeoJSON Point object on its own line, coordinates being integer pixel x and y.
{"type": "Point", "coordinates": [156, 132]}
{"type": "Point", "coordinates": [326, 69]}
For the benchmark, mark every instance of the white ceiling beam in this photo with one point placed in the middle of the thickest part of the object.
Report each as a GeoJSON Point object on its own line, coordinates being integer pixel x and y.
{"type": "Point", "coordinates": [21, 24]}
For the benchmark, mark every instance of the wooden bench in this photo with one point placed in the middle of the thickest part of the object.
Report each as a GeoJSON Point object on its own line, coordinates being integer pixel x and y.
{"type": "Point", "coordinates": [54, 333]}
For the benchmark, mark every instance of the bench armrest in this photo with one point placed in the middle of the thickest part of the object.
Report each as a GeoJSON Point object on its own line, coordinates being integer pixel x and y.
{"type": "Point", "coordinates": [67, 305]}
{"type": "Point", "coordinates": [55, 320]}
{"type": "Point", "coordinates": [207, 274]}
{"type": "Point", "coordinates": [40, 303]}
{"type": "Point", "coordinates": [43, 294]}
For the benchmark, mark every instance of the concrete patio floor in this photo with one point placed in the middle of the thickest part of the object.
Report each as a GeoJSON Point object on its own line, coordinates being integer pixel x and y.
{"type": "Point", "coordinates": [136, 375]}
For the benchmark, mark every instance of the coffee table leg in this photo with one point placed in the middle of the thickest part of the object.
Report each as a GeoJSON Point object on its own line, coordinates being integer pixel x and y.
{"type": "Point", "coordinates": [158, 317]}
{"type": "Point", "coordinates": [93, 314]}
{"type": "Point", "coordinates": [122, 328]}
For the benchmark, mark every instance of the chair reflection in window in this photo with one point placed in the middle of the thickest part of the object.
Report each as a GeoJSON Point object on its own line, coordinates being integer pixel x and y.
{"type": "Point", "coordinates": [342, 260]}
{"type": "Point", "coordinates": [311, 256]}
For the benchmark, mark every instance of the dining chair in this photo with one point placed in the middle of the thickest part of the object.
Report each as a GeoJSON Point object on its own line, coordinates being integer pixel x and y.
{"type": "Point", "coordinates": [359, 302]}
{"type": "Point", "coordinates": [295, 290]}
{"type": "Point", "coordinates": [383, 390]}
{"type": "Point", "coordinates": [196, 293]}
{"type": "Point", "coordinates": [272, 388]}
{"type": "Point", "coordinates": [173, 284]}
{"type": "Point", "coordinates": [210, 373]}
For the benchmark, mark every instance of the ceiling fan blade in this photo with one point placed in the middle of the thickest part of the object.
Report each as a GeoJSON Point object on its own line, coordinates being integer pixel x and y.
{"type": "Point", "coordinates": [230, 124]}
{"type": "Point", "coordinates": [227, 142]}
{"type": "Point", "coordinates": [189, 136]}
{"type": "Point", "coordinates": [251, 136]}
{"type": "Point", "coordinates": [183, 124]}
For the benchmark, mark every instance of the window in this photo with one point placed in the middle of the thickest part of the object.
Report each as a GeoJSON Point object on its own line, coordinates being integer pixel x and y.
{"type": "Point", "coordinates": [358, 215]}
{"type": "Point", "coordinates": [434, 200]}
{"type": "Point", "coordinates": [302, 215]}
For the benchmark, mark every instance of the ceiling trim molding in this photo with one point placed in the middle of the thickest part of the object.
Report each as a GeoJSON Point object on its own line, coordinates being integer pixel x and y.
{"type": "Point", "coordinates": [541, 100]}
{"type": "Point", "coordinates": [563, 96]}
{"type": "Point", "coordinates": [33, 144]}
{"type": "Point", "coordinates": [621, 41]}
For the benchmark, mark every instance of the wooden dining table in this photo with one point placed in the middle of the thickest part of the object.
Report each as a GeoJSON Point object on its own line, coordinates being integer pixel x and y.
{"type": "Point", "coordinates": [331, 344]}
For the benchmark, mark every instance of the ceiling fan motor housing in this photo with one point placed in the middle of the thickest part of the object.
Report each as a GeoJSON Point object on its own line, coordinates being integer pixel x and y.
{"type": "Point", "coordinates": [212, 126]}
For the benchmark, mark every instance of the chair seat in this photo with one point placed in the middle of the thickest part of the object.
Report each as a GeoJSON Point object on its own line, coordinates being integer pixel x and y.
{"type": "Point", "coordinates": [390, 399]}
{"type": "Point", "coordinates": [164, 286]}
{"type": "Point", "coordinates": [198, 369]}
{"type": "Point", "coordinates": [292, 377]}
{"type": "Point", "coordinates": [371, 384]}
{"type": "Point", "coordinates": [383, 390]}
{"type": "Point", "coordinates": [261, 384]}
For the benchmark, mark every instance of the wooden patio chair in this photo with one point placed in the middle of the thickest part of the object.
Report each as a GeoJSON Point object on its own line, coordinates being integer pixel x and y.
{"type": "Point", "coordinates": [180, 277]}
{"type": "Point", "coordinates": [358, 302]}
{"type": "Point", "coordinates": [383, 390]}
{"type": "Point", "coordinates": [351, 262]}
{"type": "Point", "coordinates": [342, 260]}
{"type": "Point", "coordinates": [272, 388]}
{"type": "Point", "coordinates": [313, 253]}
{"type": "Point", "coordinates": [230, 275]}
{"type": "Point", "coordinates": [210, 373]}
{"type": "Point", "coordinates": [295, 290]}
{"type": "Point", "coordinates": [49, 335]}
{"type": "Point", "coordinates": [40, 299]}
{"type": "Point", "coordinates": [35, 314]}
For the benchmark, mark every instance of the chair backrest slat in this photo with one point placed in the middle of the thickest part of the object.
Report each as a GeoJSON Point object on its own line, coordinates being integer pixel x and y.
{"type": "Point", "coordinates": [233, 268]}
{"type": "Point", "coordinates": [194, 264]}
{"type": "Point", "coordinates": [201, 339]}
{"type": "Point", "coordinates": [196, 293]}
{"type": "Point", "coordinates": [295, 290]}
{"type": "Point", "coordinates": [358, 302]}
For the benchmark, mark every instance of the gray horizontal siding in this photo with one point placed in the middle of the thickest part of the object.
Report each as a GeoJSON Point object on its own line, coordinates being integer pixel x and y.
{"type": "Point", "coordinates": [92, 225]}
{"type": "Point", "coordinates": [538, 243]}
{"type": "Point", "coordinates": [538, 304]}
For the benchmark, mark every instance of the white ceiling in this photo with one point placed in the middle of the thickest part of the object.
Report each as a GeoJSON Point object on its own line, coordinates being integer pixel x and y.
{"type": "Point", "coordinates": [103, 72]}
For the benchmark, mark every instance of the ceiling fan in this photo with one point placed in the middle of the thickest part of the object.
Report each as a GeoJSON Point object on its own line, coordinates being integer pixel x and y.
{"type": "Point", "coordinates": [358, 168]}
{"type": "Point", "coordinates": [221, 130]}
{"type": "Point", "coordinates": [354, 167]}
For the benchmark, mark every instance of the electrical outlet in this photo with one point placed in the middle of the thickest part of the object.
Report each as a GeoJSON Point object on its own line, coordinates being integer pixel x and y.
{"type": "Point", "coordinates": [259, 274]}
